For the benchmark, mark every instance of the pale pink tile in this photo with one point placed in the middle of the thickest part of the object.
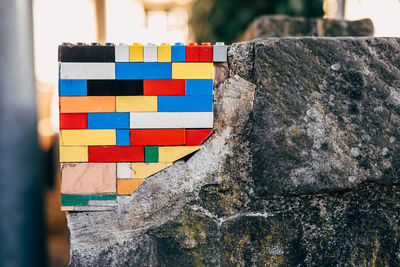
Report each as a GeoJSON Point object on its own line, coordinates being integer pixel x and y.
{"type": "Point", "coordinates": [88, 178]}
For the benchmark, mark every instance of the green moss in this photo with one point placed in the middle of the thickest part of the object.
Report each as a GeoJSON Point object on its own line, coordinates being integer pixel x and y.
{"type": "Point", "coordinates": [192, 229]}
{"type": "Point", "coordinates": [192, 236]}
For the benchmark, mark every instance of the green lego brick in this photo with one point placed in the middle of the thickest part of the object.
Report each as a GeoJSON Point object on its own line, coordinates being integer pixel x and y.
{"type": "Point", "coordinates": [74, 202]}
{"type": "Point", "coordinates": [150, 154]}
{"type": "Point", "coordinates": [87, 197]}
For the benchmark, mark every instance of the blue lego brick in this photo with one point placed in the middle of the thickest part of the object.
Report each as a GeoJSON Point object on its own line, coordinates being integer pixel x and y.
{"type": "Point", "coordinates": [178, 52]}
{"type": "Point", "coordinates": [185, 103]}
{"type": "Point", "coordinates": [143, 70]}
{"type": "Point", "coordinates": [123, 138]}
{"type": "Point", "coordinates": [199, 87]}
{"type": "Point", "coordinates": [112, 120]}
{"type": "Point", "coordinates": [72, 87]}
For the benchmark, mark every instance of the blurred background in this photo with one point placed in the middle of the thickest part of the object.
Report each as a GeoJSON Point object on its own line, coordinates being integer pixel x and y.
{"type": "Point", "coordinates": [33, 230]}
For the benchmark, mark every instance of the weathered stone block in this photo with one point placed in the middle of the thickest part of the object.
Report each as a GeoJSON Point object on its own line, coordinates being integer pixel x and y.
{"type": "Point", "coordinates": [285, 26]}
{"type": "Point", "coordinates": [303, 168]}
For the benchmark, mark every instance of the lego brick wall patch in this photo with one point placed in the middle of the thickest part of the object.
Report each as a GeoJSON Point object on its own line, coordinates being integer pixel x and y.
{"type": "Point", "coordinates": [128, 112]}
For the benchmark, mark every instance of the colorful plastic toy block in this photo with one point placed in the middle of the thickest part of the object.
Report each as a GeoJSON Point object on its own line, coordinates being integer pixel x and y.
{"type": "Point", "coordinates": [206, 52]}
{"type": "Point", "coordinates": [150, 53]}
{"type": "Point", "coordinates": [136, 52]}
{"type": "Point", "coordinates": [178, 52]}
{"type": "Point", "coordinates": [122, 53]}
{"type": "Point", "coordinates": [192, 52]}
{"type": "Point", "coordinates": [128, 112]}
{"type": "Point", "coordinates": [164, 52]}
{"type": "Point", "coordinates": [220, 52]}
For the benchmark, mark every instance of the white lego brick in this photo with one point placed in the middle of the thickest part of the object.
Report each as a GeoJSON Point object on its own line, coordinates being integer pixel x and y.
{"type": "Point", "coordinates": [220, 51]}
{"type": "Point", "coordinates": [124, 170]}
{"type": "Point", "coordinates": [80, 70]}
{"type": "Point", "coordinates": [102, 203]}
{"type": "Point", "coordinates": [157, 120]}
{"type": "Point", "coordinates": [122, 53]}
{"type": "Point", "coordinates": [150, 53]}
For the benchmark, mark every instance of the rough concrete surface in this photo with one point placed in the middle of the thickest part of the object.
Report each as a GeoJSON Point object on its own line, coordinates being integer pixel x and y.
{"type": "Point", "coordinates": [302, 169]}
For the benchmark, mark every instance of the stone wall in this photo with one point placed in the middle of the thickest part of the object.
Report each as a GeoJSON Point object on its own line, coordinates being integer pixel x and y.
{"type": "Point", "coordinates": [285, 26]}
{"type": "Point", "coordinates": [303, 168]}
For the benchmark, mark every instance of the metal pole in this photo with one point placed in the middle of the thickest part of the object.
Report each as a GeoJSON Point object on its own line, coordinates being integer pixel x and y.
{"type": "Point", "coordinates": [21, 187]}
{"type": "Point", "coordinates": [341, 6]}
{"type": "Point", "coordinates": [100, 20]}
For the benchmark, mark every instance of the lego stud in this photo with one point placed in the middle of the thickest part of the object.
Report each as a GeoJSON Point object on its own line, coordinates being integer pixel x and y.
{"type": "Point", "coordinates": [164, 52]}
{"type": "Point", "coordinates": [178, 53]}
{"type": "Point", "coordinates": [136, 52]}
{"type": "Point", "coordinates": [150, 53]}
{"type": "Point", "coordinates": [206, 52]}
{"type": "Point", "coordinates": [220, 52]}
{"type": "Point", "coordinates": [192, 52]}
{"type": "Point", "coordinates": [94, 44]}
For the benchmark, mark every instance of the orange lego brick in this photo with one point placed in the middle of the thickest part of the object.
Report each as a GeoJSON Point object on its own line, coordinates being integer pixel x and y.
{"type": "Point", "coordinates": [128, 186]}
{"type": "Point", "coordinates": [85, 104]}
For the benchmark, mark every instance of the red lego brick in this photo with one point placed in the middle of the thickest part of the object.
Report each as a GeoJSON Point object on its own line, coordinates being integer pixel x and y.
{"type": "Point", "coordinates": [192, 52]}
{"type": "Point", "coordinates": [73, 121]}
{"type": "Point", "coordinates": [206, 52]}
{"type": "Point", "coordinates": [154, 137]}
{"type": "Point", "coordinates": [116, 153]}
{"type": "Point", "coordinates": [155, 87]}
{"type": "Point", "coordinates": [197, 137]}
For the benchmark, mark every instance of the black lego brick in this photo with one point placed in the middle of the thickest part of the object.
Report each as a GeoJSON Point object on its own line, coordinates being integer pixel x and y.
{"type": "Point", "coordinates": [86, 53]}
{"type": "Point", "coordinates": [114, 87]}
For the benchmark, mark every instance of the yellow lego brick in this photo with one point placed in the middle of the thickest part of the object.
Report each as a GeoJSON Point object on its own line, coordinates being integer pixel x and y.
{"type": "Point", "coordinates": [136, 104]}
{"type": "Point", "coordinates": [67, 208]}
{"type": "Point", "coordinates": [74, 154]}
{"type": "Point", "coordinates": [87, 138]}
{"type": "Point", "coordinates": [136, 52]}
{"type": "Point", "coordinates": [164, 52]}
{"type": "Point", "coordinates": [173, 153]}
{"type": "Point", "coordinates": [190, 70]}
{"type": "Point", "coordinates": [144, 170]}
